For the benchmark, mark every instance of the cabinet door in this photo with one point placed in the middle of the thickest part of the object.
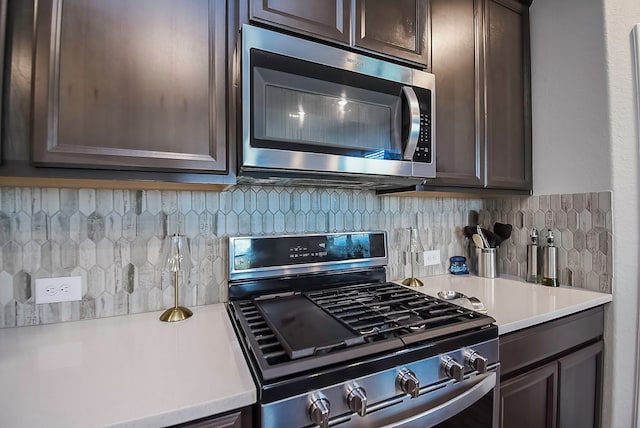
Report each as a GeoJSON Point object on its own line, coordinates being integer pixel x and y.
{"type": "Point", "coordinates": [233, 420]}
{"type": "Point", "coordinates": [136, 85]}
{"type": "Point", "coordinates": [3, 28]}
{"type": "Point", "coordinates": [328, 19]}
{"type": "Point", "coordinates": [530, 400]}
{"type": "Point", "coordinates": [580, 388]}
{"type": "Point", "coordinates": [508, 116]}
{"type": "Point", "coordinates": [455, 55]}
{"type": "Point", "coordinates": [397, 28]}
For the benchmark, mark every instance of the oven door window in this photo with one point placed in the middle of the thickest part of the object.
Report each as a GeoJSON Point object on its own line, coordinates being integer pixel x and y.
{"type": "Point", "coordinates": [305, 107]}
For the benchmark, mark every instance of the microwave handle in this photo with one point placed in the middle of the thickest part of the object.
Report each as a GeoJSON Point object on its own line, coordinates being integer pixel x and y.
{"type": "Point", "coordinates": [414, 122]}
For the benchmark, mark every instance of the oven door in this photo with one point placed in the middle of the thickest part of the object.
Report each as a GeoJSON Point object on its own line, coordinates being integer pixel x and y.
{"type": "Point", "coordinates": [472, 403]}
{"type": "Point", "coordinates": [309, 107]}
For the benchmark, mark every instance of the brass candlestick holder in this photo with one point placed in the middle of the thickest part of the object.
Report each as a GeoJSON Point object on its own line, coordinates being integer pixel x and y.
{"type": "Point", "coordinates": [411, 241]}
{"type": "Point", "coordinates": [175, 258]}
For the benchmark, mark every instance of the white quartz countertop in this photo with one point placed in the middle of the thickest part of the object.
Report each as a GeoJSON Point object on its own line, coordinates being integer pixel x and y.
{"type": "Point", "coordinates": [513, 303]}
{"type": "Point", "coordinates": [136, 371]}
{"type": "Point", "coordinates": [123, 371]}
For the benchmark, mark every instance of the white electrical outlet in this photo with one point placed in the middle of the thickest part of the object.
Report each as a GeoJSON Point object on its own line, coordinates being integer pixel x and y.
{"type": "Point", "coordinates": [432, 258]}
{"type": "Point", "coordinates": [61, 289]}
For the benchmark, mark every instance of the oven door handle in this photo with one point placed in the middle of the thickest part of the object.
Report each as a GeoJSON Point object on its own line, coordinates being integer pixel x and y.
{"type": "Point", "coordinates": [414, 122]}
{"type": "Point", "coordinates": [454, 406]}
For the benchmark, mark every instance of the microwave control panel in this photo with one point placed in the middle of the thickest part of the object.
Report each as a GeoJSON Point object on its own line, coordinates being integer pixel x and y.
{"type": "Point", "coordinates": [423, 148]}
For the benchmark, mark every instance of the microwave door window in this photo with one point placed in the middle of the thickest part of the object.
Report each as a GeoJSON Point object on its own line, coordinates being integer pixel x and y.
{"type": "Point", "coordinates": [299, 113]}
{"type": "Point", "coordinates": [326, 121]}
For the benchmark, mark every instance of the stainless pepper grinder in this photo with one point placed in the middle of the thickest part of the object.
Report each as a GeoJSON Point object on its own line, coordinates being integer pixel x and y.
{"type": "Point", "coordinates": [533, 270]}
{"type": "Point", "coordinates": [550, 262]}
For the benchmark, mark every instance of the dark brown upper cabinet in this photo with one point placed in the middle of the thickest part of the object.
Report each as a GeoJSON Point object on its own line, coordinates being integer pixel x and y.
{"type": "Point", "coordinates": [508, 105]}
{"type": "Point", "coordinates": [3, 29]}
{"type": "Point", "coordinates": [327, 19]}
{"type": "Point", "coordinates": [456, 52]}
{"type": "Point", "coordinates": [480, 56]}
{"type": "Point", "coordinates": [396, 29]}
{"type": "Point", "coordinates": [131, 85]}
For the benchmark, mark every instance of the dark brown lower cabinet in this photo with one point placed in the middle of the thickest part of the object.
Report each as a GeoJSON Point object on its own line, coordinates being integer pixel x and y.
{"type": "Point", "coordinates": [552, 374]}
{"type": "Point", "coordinates": [240, 418]}
{"type": "Point", "coordinates": [580, 387]}
{"type": "Point", "coordinates": [530, 400]}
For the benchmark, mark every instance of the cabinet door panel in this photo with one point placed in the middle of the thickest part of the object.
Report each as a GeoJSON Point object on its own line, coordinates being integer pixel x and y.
{"type": "Point", "coordinates": [328, 19]}
{"type": "Point", "coordinates": [580, 388]}
{"type": "Point", "coordinates": [3, 28]}
{"type": "Point", "coordinates": [397, 28]}
{"type": "Point", "coordinates": [529, 400]}
{"type": "Point", "coordinates": [131, 85]}
{"type": "Point", "coordinates": [508, 131]}
{"type": "Point", "coordinates": [233, 420]}
{"type": "Point", "coordinates": [455, 51]}
{"type": "Point", "coordinates": [241, 418]}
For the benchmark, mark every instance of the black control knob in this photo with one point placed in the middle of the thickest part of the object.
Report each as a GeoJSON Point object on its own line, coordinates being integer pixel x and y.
{"type": "Point", "coordinates": [408, 383]}
{"type": "Point", "coordinates": [319, 411]}
{"type": "Point", "coordinates": [475, 361]}
{"type": "Point", "coordinates": [452, 369]}
{"type": "Point", "coordinates": [357, 399]}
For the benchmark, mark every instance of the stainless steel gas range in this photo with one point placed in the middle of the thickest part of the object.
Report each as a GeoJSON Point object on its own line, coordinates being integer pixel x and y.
{"type": "Point", "coordinates": [331, 343]}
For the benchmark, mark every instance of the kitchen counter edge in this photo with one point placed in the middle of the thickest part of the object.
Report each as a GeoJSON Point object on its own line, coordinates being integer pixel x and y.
{"type": "Point", "coordinates": [130, 370]}
{"type": "Point", "coordinates": [514, 303]}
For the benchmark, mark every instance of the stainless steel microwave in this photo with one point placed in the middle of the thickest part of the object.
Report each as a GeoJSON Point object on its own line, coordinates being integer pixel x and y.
{"type": "Point", "coordinates": [316, 114]}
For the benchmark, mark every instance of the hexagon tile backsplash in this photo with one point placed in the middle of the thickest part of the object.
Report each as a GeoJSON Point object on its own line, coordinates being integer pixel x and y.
{"type": "Point", "coordinates": [581, 224]}
{"type": "Point", "coordinates": [112, 239]}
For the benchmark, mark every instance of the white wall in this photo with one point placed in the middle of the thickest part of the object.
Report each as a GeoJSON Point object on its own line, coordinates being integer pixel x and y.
{"type": "Point", "coordinates": [569, 110]}
{"type": "Point", "coordinates": [585, 138]}
{"type": "Point", "coordinates": [620, 16]}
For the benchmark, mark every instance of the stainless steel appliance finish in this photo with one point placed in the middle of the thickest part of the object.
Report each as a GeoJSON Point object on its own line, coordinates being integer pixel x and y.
{"type": "Point", "coordinates": [549, 261]}
{"type": "Point", "coordinates": [301, 261]}
{"type": "Point", "coordinates": [305, 116]}
{"type": "Point", "coordinates": [387, 402]}
{"type": "Point", "coordinates": [346, 347]}
{"type": "Point", "coordinates": [487, 262]}
{"type": "Point", "coordinates": [533, 264]}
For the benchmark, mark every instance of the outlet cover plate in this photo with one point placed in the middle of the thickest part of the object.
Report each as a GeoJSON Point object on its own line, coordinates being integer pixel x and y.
{"type": "Point", "coordinates": [432, 258]}
{"type": "Point", "coordinates": [60, 289]}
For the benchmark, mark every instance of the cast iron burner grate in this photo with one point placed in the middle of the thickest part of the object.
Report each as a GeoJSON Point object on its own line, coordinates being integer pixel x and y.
{"type": "Point", "coordinates": [388, 309]}
{"type": "Point", "coordinates": [268, 345]}
{"type": "Point", "coordinates": [378, 317]}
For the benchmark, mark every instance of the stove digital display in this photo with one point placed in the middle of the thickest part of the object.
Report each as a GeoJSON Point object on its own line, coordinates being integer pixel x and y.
{"type": "Point", "coordinates": [261, 252]}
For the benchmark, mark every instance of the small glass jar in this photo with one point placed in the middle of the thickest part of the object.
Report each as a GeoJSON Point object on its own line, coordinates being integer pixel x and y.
{"type": "Point", "coordinates": [458, 265]}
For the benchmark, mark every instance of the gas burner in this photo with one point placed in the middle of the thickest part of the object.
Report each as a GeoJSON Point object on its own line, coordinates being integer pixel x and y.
{"type": "Point", "coordinates": [413, 322]}
{"type": "Point", "coordinates": [417, 327]}
{"type": "Point", "coordinates": [367, 332]}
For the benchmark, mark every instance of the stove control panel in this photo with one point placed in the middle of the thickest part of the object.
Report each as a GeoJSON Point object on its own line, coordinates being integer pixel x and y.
{"type": "Point", "coordinates": [265, 256]}
{"type": "Point", "coordinates": [361, 401]}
